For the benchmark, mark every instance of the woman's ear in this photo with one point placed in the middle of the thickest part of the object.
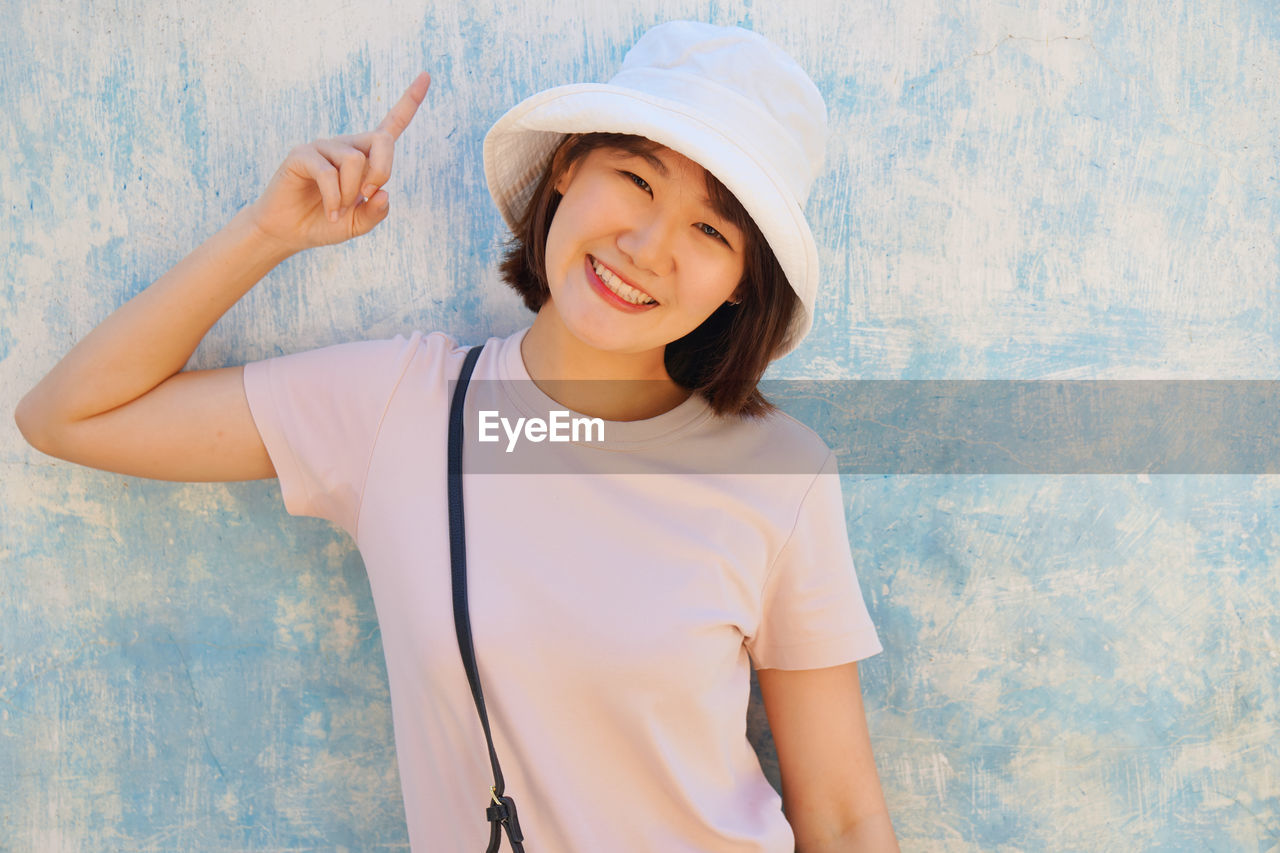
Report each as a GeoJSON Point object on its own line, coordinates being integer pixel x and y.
{"type": "Point", "coordinates": [566, 176]}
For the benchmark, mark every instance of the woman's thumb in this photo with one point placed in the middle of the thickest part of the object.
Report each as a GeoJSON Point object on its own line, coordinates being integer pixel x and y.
{"type": "Point", "coordinates": [372, 212]}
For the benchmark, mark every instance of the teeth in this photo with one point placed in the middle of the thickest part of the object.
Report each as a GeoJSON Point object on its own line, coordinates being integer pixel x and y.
{"type": "Point", "coordinates": [619, 286]}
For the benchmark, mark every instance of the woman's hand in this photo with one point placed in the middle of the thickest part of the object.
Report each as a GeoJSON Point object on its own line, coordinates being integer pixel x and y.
{"type": "Point", "coordinates": [118, 400]}
{"type": "Point", "coordinates": [330, 190]}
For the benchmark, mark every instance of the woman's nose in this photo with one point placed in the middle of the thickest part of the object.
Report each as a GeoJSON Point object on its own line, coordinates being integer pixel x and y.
{"type": "Point", "coordinates": [648, 245]}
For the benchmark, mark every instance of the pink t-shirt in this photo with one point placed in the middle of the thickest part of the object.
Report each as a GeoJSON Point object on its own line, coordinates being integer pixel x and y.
{"type": "Point", "coordinates": [615, 608]}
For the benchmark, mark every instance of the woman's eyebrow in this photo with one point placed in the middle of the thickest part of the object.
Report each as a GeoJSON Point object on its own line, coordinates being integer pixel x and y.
{"type": "Point", "coordinates": [653, 160]}
{"type": "Point", "coordinates": [658, 165]}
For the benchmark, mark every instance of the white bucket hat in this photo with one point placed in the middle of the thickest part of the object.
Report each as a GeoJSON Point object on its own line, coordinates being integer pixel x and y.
{"type": "Point", "coordinates": [724, 97]}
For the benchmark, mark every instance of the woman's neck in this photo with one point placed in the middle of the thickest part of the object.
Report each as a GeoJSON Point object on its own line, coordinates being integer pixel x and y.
{"type": "Point", "coordinates": [599, 384]}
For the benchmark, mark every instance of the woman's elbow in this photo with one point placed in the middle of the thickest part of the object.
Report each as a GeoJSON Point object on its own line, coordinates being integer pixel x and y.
{"type": "Point", "coordinates": [871, 833]}
{"type": "Point", "coordinates": [35, 424]}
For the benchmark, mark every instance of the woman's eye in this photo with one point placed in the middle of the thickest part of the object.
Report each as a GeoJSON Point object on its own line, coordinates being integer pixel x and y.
{"type": "Point", "coordinates": [711, 232]}
{"type": "Point", "coordinates": [639, 181]}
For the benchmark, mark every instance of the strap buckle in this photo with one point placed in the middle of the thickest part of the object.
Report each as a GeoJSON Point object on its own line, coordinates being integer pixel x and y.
{"type": "Point", "coordinates": [503, 811]}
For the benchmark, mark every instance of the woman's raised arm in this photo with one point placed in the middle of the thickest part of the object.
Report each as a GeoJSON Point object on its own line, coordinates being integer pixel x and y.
{"type": "Point", "coordinates": [118, 401]}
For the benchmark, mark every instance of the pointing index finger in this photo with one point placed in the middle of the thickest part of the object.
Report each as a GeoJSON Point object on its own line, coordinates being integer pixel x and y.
{"type": "Point", "coordinates": [404, 109]}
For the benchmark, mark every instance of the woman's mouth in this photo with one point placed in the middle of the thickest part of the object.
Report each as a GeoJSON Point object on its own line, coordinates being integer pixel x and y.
{"type": "Point", "coordinates": [614, 289]}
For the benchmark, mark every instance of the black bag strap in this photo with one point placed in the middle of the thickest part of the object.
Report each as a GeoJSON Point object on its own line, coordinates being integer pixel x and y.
{"type": "Point", "coordinates": [502, 810]}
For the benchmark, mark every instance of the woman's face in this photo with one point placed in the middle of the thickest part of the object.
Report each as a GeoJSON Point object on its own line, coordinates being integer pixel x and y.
{"type": "Point", "coordinates": [636, 255]}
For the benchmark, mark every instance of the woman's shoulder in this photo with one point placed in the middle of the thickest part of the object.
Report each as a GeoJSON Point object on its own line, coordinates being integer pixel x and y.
{"type": "Point", "coordinates": [414, 340]}
{"type": "Point", "coordinates": [414, 343]}
{"type": "Point", "coordinates": [772, 443]}
{"type": "Point", "coordinates": [370, 360]}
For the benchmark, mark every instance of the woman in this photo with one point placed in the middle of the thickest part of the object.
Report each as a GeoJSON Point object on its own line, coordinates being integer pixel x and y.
{"type": "Point", "coordinates": [659, 238]}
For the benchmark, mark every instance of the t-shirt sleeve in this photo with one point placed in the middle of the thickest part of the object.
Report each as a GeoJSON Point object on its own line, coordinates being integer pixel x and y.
{"type": "Point", "coordinates": [318, 413]}
{"type": "Point", "coordinates": [812, 612]}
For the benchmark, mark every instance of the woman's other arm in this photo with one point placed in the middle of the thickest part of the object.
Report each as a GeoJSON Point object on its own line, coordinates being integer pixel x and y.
{"type": "Point", "coordinates": [830, 789]}
{"type": "Point", "coordinates": [118, 401]}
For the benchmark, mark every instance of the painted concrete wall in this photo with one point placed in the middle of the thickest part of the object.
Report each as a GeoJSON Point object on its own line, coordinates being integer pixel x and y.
{"type": "Point", "coordinates": [1067, 190]}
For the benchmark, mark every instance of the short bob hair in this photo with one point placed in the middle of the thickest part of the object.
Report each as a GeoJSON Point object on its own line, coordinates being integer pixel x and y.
{"type": "Point", "coordinates": [724, 358]}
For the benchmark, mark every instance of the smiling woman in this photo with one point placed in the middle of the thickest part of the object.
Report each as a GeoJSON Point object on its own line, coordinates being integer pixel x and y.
{"type": "Point", "coordinates": [740, 330]}
{"type": "Point", "coordinates": [648, 233]}
{"type": "Point", "coordinates": [620, 604]}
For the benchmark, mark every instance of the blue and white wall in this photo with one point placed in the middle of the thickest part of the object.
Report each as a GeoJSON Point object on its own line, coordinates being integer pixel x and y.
{"type": "Point", "coordinates": [1069, 190]}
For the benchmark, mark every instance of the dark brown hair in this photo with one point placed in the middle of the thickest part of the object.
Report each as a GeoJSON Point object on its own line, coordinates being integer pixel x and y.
{"type": "Point", "coordinates": [724, 358]}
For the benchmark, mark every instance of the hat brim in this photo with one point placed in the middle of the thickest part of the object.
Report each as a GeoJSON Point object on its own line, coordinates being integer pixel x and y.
{"type": "Point", "coordinates": [520, 144]}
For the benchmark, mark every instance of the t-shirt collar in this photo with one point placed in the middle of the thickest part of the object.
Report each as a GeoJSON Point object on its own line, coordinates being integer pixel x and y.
{"type": "Point", "coordinates": [533, 402]}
